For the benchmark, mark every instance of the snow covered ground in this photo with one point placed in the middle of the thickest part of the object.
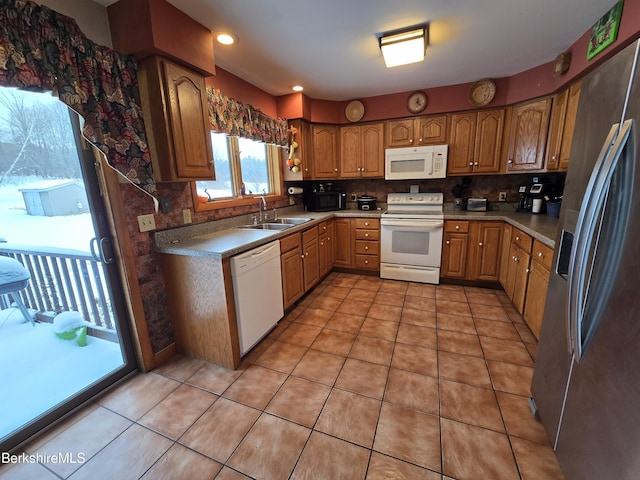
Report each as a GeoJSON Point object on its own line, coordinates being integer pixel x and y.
{"type": "Point", "coordinates": [38, 370]}
{"type": "Point", "coordinates": [16, 226]}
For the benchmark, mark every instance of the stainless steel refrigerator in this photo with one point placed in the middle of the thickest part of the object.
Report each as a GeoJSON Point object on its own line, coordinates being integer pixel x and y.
{"type": "Point", "coordinates": [586, 381]}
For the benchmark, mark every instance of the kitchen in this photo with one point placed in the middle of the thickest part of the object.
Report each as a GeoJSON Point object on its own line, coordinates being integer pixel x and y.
{"type": "Point", "coordinates": [157, 319]}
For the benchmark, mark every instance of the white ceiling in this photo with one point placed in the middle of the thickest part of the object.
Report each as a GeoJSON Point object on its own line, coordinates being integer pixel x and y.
{"type": "Point", "coordinates": [331, 46]}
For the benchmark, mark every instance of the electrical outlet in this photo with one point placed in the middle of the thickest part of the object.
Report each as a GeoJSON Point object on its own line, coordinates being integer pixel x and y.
{"type": "Point", "coordinates": [502, 196]}
{"type": "Point", "coordinates": [354, 197]}
{"type": "Point", "coordinates": [146, 223]}
{"type": "Point", "coordinates": [186, 216]}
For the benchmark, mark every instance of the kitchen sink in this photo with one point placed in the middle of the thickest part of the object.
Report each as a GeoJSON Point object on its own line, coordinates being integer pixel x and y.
{"type": "Point", "coordinates": [291, 221]}
{"type": "Point", "coordinates": [269, 226]}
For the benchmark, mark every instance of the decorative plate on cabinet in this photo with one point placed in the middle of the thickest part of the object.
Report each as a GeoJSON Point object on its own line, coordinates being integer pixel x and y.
{"type": "Point", "coordinates": [354, 111]}
{"type": "Point", "coordinates": [482, 92]}
{"type": "Point", "coordinates": [417, 102]}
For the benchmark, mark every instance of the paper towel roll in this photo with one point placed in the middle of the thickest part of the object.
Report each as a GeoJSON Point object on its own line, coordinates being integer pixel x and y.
{"type": "Point", "coordinates": [294, 190]}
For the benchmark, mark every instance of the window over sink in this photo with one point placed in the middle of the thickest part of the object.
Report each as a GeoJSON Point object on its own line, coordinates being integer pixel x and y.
{"type": "Point", "coordinates": [244, 169]}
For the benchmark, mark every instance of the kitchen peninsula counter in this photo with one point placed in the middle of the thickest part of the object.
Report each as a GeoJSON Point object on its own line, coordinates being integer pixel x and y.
{"type": "Point", "coordinates": [223, 239]}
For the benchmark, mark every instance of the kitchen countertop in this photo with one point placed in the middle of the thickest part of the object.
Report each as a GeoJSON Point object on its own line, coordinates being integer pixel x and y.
{"type": "Point", "coordinates": [224, 239]}
{"type": "Point", "coordinates": [541, 227]}
{"type": "Point", "coordinates": [195, 240]}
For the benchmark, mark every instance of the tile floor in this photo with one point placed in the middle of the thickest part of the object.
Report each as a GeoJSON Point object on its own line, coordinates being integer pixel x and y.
{"type": "Point", "coordinates": [365, 378]}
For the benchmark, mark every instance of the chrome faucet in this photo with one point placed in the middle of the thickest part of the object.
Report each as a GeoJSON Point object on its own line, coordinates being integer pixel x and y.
{"type": "Point", "coordinates": [263, 203]}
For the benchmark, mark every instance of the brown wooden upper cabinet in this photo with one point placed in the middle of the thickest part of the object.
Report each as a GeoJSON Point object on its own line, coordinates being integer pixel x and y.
{"type": "Point", "coordinates": [528, 136]}
{"type": "Point", "coordinates": [409, 132]}
{"type": "Point", "coordinates": [174, 103]}
{"type": "Point", "coordinates": [325, 151]}
{"type": "Point", "coordinates": [475, 142]}
{"type": "Point", "coordinates": [362, 151]}
{"type": "Point", "coordinates": [563, 122]}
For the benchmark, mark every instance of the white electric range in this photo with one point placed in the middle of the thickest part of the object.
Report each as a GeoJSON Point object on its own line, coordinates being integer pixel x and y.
{"type": "Point", "coordinates": [411, 237]}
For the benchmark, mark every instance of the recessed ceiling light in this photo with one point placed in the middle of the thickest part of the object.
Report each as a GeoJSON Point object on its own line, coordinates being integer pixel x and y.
{"type": "Point", "coordinates": [226, 38]}
{"type": "Point", "coordinates": [297, 88]}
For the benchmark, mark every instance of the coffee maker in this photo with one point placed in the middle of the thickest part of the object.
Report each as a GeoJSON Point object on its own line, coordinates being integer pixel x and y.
{"type": "Point", "coordinates": [531, 198]}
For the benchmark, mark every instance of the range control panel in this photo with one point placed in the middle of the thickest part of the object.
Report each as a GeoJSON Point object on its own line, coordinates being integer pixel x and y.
{"type": "Point", "coordinates": [435, 198]}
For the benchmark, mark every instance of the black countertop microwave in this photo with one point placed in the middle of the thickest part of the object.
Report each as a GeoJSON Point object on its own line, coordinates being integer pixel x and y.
{"type": "Point", "coordinates": [324, 201]}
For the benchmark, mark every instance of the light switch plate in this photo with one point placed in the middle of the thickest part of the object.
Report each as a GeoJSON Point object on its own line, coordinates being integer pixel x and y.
{"type": "Point", "coordinates": [146, 223]}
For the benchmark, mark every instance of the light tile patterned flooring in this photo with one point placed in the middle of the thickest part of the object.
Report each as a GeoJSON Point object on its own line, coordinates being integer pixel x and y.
{"type": "Point", "coordinates": [365, 378]}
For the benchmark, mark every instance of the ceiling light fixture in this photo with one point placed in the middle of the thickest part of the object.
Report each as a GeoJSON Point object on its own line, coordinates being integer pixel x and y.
{"type": "Point", "coordinates": [297, 88]}
{"type": "Point", "coordinates": [226, 38]}
{"type": "Point", "coordinates": [401, 48]}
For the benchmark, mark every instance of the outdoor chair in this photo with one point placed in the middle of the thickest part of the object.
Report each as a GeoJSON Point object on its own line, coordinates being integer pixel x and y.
{"type": "Point", "coordinates": [13, 278]}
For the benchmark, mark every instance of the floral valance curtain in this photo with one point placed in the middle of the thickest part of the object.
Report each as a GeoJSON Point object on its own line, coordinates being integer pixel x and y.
{"type": "Point", "coordinates": [42, 50]}
{"type": "Point", "coordinates": [232, 117]}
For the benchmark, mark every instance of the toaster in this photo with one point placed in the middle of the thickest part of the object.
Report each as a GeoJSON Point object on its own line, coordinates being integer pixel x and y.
{"type": "Point", "coordinates": [477, 205]}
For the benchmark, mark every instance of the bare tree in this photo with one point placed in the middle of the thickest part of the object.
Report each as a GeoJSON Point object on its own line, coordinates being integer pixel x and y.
{"type": "Point", "coordinates": [40, 137]}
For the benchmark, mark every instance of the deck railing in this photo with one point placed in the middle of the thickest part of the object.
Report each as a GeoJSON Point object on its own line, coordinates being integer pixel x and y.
{"type": "Point", "coordinates": [63, 280]}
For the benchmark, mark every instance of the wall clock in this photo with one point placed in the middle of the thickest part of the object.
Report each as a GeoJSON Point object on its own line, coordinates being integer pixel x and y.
{"type": "Point", "coordinates": [482, 92]}
{"type": "Point", "coordinates": [354, 111]}
{"type": "Point", "coordinates": [417, 102]}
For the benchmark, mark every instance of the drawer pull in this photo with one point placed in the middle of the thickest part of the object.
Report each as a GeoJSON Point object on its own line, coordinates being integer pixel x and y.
{"type": "Point", "coordinates": [366, 248]}
{"type": "Point", "coordinates": [457, 227]}
{"type": "Point", "coordinates": [540, 254]}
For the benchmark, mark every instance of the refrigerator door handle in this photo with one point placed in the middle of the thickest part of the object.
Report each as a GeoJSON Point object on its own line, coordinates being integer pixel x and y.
{"type": "Point", "coordinates": [577, 253]}
{"type": "Point", "coordinates": [589, 232]}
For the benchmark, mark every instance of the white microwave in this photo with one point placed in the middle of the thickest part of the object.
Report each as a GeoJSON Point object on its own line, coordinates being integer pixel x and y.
{"type": "Point", "coordinates": [415, 162]}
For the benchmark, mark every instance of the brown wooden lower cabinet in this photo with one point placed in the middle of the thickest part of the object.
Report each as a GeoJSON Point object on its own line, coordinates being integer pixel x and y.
{"type": "Point", "coordinates": [517, 268]}
{"type": "Point", "coordinates": [291, 264]}
{"type": "Point", "coordinates": [454, 249]}
{"type": "Point", "coordinates": [537, 284]}
{"type": "Point", "coordinates": [471, 250]}
{"type": "Point", "coordinates": [310, 258]}
{"type": "Point", "coordinates": [484, 251]}
{"type": "Point", "coordinates": [366, 246]}
{"type": "Point", "coordinates": [343, 257]}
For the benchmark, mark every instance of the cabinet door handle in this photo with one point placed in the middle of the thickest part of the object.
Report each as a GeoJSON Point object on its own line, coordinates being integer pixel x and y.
{"type": "Point", "coordinates": [448, 242]}
{"type": "Point", "coordinates": [420, 140]}
{"type": "Point", "coordinates": [411, 140]}
{"type": "Point", "coordinates": [540, 254]}
{"type": "Point", "coordinates": [302, 256]}
{"type": "Point", "coordinates": [471, 164]}
{"type": "Point", "coordinates": [510, 161]}
{"type": "Point", "coordinates": [528, 270]}
{"type": "Point", "coordinates": [475, 164]}
{"type": "Point", "coordinates": [517, 239]}
{"type": "Point", "coordinates": [322, 244]}
{"type": "Point", "coordinates": [335, 169]}
{"type": "Point", "coordinates": [480, 244]}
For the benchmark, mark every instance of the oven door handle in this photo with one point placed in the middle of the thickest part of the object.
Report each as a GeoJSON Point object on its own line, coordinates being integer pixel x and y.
{"type": "Point", "coordinates": [414, 225]}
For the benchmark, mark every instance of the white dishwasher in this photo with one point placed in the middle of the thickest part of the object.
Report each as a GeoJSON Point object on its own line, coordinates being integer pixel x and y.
{"type": "Point", "coordinates": [257, 289]}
